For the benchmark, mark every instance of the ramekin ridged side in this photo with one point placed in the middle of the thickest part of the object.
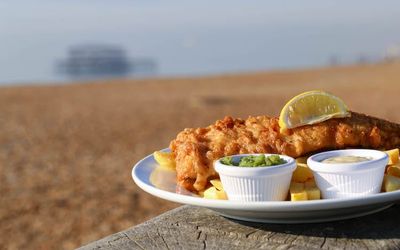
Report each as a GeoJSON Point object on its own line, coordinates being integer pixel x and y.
{"type": "Point", "coordinates": [348, 180]}
{"type": "Point", "coordinates": [250, 184]}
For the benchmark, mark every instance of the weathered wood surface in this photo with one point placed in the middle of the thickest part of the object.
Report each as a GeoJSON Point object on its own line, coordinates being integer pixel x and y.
{"type": "Point", "coordinates": [189, 227]}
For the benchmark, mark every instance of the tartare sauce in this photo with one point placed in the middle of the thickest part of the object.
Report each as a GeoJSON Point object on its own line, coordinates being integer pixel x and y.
{"type": "Point", "coordinates": [346, 159]}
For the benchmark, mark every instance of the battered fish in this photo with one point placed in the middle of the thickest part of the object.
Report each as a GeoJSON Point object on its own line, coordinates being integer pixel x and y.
{"type": "Point", "coordinates": [196, 149]}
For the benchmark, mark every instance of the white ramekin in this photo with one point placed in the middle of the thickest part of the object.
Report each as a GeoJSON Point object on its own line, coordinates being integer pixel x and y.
{"type": "Point", "coordinates": [346, 180]}
{"type": "Point", "coordinates": [256, 183]}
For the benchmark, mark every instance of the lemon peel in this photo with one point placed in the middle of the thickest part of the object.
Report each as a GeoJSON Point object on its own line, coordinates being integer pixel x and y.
{"type": "Point", "coordinates": [311, 107]}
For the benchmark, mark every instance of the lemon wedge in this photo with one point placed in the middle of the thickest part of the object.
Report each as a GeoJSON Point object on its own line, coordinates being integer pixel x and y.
{"type": "Point", "coordinates": [310, 108]}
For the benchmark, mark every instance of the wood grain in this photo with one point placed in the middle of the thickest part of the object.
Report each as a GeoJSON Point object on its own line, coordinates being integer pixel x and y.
{"type": "Point", "coordinates": [189, 227]}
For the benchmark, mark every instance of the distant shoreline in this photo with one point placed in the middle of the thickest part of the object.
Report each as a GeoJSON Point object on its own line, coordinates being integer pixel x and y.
{"type": "Point", "coordinates": [134, 78]}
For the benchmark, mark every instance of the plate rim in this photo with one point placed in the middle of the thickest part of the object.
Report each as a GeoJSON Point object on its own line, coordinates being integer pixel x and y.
{"type": "Point", "coordinates": [266, 206]}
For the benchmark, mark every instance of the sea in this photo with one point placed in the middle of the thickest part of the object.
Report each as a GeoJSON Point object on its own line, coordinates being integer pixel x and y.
{"type": "Point", "coordinates": [190, 38]}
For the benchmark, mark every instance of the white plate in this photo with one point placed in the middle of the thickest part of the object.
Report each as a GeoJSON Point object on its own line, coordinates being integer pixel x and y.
{"type": "Point", "coordinates": [268, 211]}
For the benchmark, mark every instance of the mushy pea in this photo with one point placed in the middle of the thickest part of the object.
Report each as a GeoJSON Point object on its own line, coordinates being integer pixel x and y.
{"type": "Point", "coordinates": [254, 161]}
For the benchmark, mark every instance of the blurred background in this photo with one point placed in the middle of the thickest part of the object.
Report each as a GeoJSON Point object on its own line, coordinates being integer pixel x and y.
{"type": "Point", "coordinates": [82, 83]}
{"type": "Point", "coordinates": [56, 41]}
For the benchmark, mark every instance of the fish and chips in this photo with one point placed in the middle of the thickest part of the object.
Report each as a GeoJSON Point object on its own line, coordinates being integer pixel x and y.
{"type": "Point", "coordinates": [194, 150]}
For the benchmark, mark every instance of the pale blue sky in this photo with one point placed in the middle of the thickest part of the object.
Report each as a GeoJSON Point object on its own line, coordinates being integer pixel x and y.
{"type": "Point", "coordinates": [195, 37]}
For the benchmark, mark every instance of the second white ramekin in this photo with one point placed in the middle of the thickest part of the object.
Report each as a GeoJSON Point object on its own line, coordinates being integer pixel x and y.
{"type": "Point", "coordinates": [347, 180]}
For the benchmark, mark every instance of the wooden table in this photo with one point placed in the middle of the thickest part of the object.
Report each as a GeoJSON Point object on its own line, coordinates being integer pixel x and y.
{"type": "Point", "coordinates": [190, 227]}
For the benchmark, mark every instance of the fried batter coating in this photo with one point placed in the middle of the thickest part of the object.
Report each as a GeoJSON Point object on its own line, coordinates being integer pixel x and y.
{"type": "Point", "coordinates": [195, 149]}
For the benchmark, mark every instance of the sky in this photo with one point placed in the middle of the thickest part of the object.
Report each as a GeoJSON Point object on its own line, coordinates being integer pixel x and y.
{"type": "Point", "coordinates": [195, 37]}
